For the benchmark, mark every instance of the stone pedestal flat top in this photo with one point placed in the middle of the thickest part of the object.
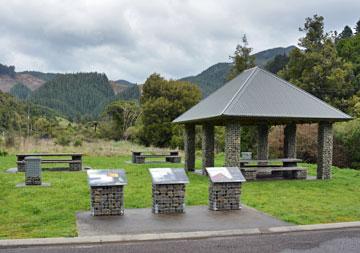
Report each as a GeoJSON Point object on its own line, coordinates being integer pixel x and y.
{"type": "Point", "coordinates": [109, 177]}
{"type": "Point", "coordinates": [195, 218]}
{"type": "Point", "coordinates": [225, 175]}
{"type": "Point", "coordinates": [168, 176]}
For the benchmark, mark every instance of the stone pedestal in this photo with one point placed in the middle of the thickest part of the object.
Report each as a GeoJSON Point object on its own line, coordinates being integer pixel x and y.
{"type": "Point", "coordinates": [325, 150]}
{"type": "Point", "coordinates": [232, 144]}
{"type": "Point", "coordinates": [207, 146]}
{"type": "Point", "coordinates": [290, 141]}
{"type": "Point", "coordinates": [189, 147]}
{"type": "Point", "coordinates": [107, 191]}
{"type": "Point", "coordinates": [224, 188]}
{"type": "Point", "coordinates": [224, 196]}
{"type": "Point", "coordinates": [168, 190]}
{"type": "Point", "coordinates": [168, 198]}
{"type": "Point", "coordinates": [107, 200]}
{"type": "Point", "coordinates": [262, 145]}
{"type": "Point", "coordinates": [32, 171]}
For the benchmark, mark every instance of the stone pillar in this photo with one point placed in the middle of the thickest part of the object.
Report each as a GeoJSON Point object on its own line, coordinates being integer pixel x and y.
{"type": "Point", "coordinates": [232, 144]}
{"type": "Point", "coordinates": [207, 146]}
{"type": "Point", "coordinates": [263, 146]}
{"type": "Point", "coordinates": [189, 147]}
{"type": "Point", "coordinates": [290, 141]}
{"type": "Point", "coordinates": [325, 150]}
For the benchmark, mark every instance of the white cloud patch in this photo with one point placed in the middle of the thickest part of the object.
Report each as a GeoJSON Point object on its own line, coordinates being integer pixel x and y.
{"type": "Point", "coordinates": [132, 39]}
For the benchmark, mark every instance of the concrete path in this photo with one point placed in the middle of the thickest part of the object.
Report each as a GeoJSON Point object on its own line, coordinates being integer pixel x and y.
{"type": "Point", "coordinates": [196, 218]}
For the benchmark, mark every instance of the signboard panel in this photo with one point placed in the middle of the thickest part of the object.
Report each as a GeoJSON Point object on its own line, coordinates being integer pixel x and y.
{"type": "Point", "coordinates": [168, 176]}
{"type": "Point", "coordinates": [107, 177]}
{"type": "Point", "coordinates": [225, 174]}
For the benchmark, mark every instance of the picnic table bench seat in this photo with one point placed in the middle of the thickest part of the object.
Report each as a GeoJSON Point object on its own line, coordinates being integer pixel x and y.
{"type": "Point", "coordinates": [253, 173]}
{"type": "Point", "coordinates": [75, 163]}
{"type": "Point", "coordinates": [172, 157]}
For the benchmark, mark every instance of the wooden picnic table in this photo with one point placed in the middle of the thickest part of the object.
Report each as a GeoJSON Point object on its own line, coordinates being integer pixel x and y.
{"type": "Point", "coordinates": [273, 168]}
{"type": "Point", "coordinates": [140, 156]}
{"type": "Point", "coordinates": [75, 163]}
{"type": "Point", "coordinates": [286, 162]}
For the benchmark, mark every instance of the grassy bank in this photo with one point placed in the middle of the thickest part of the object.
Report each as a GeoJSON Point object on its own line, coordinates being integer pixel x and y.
{"type": "Point", "coordinates": [50, 212]}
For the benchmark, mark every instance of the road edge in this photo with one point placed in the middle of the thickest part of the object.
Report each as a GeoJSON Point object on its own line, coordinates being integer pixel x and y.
{"type": "Point", "coordinates": [18, 243]}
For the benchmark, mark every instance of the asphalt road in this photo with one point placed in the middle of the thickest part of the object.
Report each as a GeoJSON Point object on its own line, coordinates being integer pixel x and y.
{"type": "Point", "coordinates": [340, 240]}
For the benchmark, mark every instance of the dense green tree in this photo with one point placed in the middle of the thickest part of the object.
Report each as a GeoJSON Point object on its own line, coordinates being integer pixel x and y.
{"type": "Point", "coordinates": [242, 59]}
{"type": "Point", "coordinates": [346, 33]}
{"type": "Point", "coordinates": [357, 27]}
{"type": "Point", "coordinates": [161, 102]}
{"type": "Point", "coordinates": [76, 95]}
{"type": "Point", "coordinates": [277, 64]}
{"type": "Point", "coordinates": [318, 69]}
{"type": "Point", "coordinates": [21, 91]}
{"type": "Point", "coordinates": [315, 35]}
{"type": "Point", "coordinates": [122, 114]}
{"type": "Point", "coordinates": [349, 49]}
{"type": "Point", "coordinates": [130, 93]}
{"type": "Point", "coordinates": [7, 70]}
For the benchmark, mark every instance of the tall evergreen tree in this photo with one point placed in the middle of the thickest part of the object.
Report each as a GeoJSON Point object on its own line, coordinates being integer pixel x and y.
{"type": "Point", "coordinates": [315, 35]}
{"type": "Point", "coordinates": [346, 33]}
{"type": "Point", "coordinates": [357, 27]}
{"type": "Point", "coordinates": [318, 69]}
{"type": "Point", "coordinates": [242, 58]}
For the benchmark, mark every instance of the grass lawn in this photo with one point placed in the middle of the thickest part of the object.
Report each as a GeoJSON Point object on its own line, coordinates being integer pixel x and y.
{"type": "Point", "coordinates": [50, 212]}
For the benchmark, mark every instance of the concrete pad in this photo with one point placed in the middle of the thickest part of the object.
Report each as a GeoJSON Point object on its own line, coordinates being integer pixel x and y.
{"type": "Point", "coordinates": [12, 170]}
{"type": "Point", "coordinates": [19, 185]}
{"type": "Point", "coordinates": [196, 218]}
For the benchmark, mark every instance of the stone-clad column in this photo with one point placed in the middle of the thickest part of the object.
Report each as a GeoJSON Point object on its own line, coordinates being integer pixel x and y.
{"type": "Point", "coordinates": [189, 147]}
{"type": "Point", "coordinates": [207, 146]}
{"type": "Point", "coordinates": [263, 146]}
{"type": "Point", "coordinates": [232, 144]}
{"type": "Point", "coordinates": [290, 141]}
{"type": "Point", "coordinates": [325, 150]}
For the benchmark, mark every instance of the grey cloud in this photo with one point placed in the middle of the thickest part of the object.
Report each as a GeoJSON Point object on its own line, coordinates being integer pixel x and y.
{"type": "Point", "coordinates": [132, 39]}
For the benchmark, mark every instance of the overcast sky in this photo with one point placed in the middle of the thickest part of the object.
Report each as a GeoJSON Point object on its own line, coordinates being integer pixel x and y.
{"type": "Point", "coordinates": [132, 39]}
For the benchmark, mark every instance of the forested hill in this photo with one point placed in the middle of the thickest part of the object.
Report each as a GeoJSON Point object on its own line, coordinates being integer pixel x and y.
{"type": "Point", "coordinates": [75, 95]}
{"type": "Point", "coordinates": [215, 76]}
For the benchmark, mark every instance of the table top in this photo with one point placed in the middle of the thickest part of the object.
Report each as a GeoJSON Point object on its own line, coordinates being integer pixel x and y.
{"type": "Point", "coordinates": [149, 152]}
{"type": "Point", "coordinates": [168, 176]}
{"type": "Point", "coordinates": [284, 160]}
{"type": "Point", "coordinates": [225, 175]}
{"type": "Point", "coordinates": [108, 177]}
{"type": "Point", "coordinates": [51, 154]}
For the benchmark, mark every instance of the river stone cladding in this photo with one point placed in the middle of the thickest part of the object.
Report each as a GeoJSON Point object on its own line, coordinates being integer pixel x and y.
{"type": "Point", "coordinates": [232, 144]}
{"type": "Point", "coordinates": [75, 166]}
{"type": "Point", "coordinates": [290, 141]}
{"type": "Point", "coordinates": [224, 196]}
{"type": "Point", "coordinates": [325, 151]}
{"type": "Point", "coordinates": [207, 147]}
{"type": "Point", "coordinates": [168, 198]}
{"type": "Point", "coordinates": [189, 147]}
{"type": "Point", "coordinates": [32, 171]}
{"type": "Point", "coordinates": [107, 200]}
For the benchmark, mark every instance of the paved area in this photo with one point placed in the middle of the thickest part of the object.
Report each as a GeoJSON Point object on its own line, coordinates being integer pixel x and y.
{"type": "Point", "coordinates": [19, 185]}
{"type": "Point", "coordinates": [326, 241]}
{"type": "Point", "coordinates": [196, 218]}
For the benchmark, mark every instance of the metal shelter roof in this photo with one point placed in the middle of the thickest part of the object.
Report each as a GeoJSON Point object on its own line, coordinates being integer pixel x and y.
{"type": "Point", "coordinates": [259, 95]}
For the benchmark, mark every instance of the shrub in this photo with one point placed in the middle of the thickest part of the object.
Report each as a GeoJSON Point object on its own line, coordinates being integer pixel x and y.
{"type": "Point", "coordinates": [347, 134]}
{"type": "Point", "coordinates": [3, 153]}
{"type": "Point", "coordinates": [10, 140]}
{"type": "Point", "coordinates": [78, 143]}
{"type": "Point", "coordinates": [63, 140]}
